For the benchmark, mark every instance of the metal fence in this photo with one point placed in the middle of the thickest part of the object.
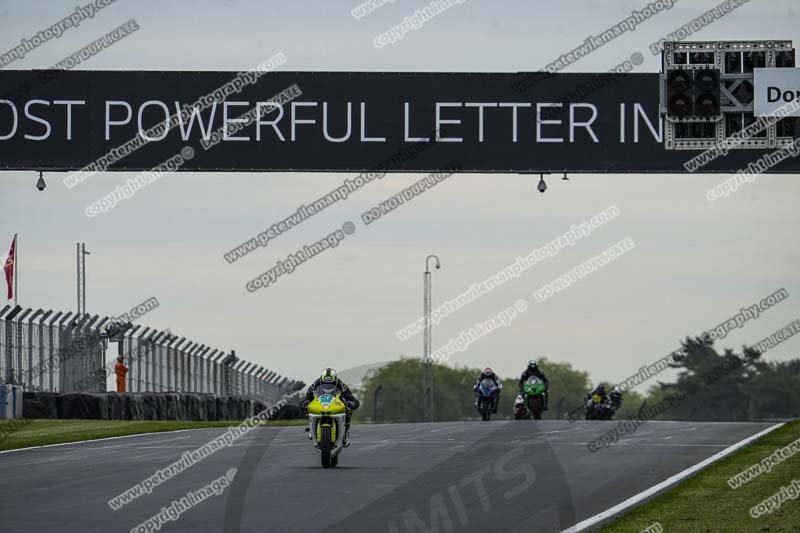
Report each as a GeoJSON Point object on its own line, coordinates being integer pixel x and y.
{"type": "Point", "coordinates": [66, 352]}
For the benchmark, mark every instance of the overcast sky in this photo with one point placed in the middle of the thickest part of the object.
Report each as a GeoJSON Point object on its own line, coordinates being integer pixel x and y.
{"type": "Point", "coordinates": [695, 264]}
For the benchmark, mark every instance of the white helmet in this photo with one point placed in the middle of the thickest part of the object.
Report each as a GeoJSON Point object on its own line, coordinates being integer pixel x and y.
{"type": "Point", "coordinates": [328, 375]}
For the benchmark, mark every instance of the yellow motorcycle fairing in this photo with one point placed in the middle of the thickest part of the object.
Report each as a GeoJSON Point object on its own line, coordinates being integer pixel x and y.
{"type": "Point", "coordinates": [326, 405]}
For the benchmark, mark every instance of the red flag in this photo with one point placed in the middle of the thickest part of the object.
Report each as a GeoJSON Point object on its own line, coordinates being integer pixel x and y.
{"type": "Point", "coordinates": [9, 268]}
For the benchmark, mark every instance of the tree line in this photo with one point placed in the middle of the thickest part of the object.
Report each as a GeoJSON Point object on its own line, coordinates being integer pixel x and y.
{"type": "Point", "coordinates": [714, 386]}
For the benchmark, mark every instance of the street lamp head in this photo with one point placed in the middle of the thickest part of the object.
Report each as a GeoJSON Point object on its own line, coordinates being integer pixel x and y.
{"type": "Point", "coordinates": [427, 263]}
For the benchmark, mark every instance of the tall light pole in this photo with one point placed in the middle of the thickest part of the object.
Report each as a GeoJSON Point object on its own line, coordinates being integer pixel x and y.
{"type": "Point", "coordinates": [81, 254]}
{"type": "Point", "coordinates": [427, 371]}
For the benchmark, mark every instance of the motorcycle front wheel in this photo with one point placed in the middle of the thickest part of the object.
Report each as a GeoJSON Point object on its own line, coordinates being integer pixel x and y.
{"type": "Point", "coordinates": [536, 406]}
{"type": "Point", "coordinates": [483, 409]}
{"type": "Point", "coordinates": [325, 446]}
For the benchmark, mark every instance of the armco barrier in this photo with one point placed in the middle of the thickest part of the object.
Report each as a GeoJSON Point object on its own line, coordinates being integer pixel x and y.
{"type": "Point", "coordinates": [144, 406]}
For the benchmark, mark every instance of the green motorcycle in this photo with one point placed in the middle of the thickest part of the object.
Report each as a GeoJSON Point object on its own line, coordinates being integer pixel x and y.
{"type": "Point", "coordinates": [534, 392]}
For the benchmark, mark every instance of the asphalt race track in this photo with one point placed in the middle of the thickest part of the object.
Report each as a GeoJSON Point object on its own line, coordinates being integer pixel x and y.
{"type": "Point", "coordinates": [461, 476]}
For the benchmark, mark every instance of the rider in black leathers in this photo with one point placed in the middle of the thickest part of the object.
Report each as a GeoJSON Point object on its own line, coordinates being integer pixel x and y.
{"type": "Point", "coordinates": [600, 391]}
{"type": "Point", "coordinates": [610, 401]}
{"type": "Point", "coordinates": [488, 373]}
{"type": "Point", "coordinates": [534, 370]}
{"type": "Point", "coordinates": [351, 403]}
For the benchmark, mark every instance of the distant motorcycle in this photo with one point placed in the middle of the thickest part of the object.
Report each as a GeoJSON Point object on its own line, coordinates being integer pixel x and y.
{"type": "Point", "coordinates": [520, 412]}
{"type": "Point", "coordinates": [603, 408]}
{"type": "Point", "coordinates": [487, 393]}
{"type": "Point", "coordinates": [599, 408]}
{"type": "Point", "coordinates": [534, 391]}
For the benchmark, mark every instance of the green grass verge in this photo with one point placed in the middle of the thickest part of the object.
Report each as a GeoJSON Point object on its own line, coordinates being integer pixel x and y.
{"type": "Point", "coordinates": [705, 503]}
{"type": "Point", "coordinates": [38, 432]}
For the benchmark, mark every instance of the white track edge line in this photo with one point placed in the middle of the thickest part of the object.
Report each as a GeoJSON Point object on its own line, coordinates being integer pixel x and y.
{"type": "Point", "coordinates": [633, 500]}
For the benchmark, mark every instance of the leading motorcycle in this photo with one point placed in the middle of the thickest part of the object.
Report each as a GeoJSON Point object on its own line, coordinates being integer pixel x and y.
{"type": "Point", "coordinates": [326, 420]}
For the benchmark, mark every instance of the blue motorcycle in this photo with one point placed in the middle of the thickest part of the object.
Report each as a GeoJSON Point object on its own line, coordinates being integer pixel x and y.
{"type": "Point", "coordinates": [488, 395]}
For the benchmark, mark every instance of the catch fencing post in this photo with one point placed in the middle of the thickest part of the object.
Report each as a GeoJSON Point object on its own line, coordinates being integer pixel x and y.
{"type": "Point", "coordinates": [187, 359]}
{"type": "Point", "coordinates": [190, 364]}
{"type": "Point", "coordinates": [242, 376]}
{"type": "Point", "coordinates": [180, 365]}
{"type": "Point", "coordinates": [226, 372]}
{"type": "Point", "coordinates": [266, 386]}
{"type": "Point", "coordinates": [274, 393]}
{"type": "Point", "coordinates": [138, 354]}
{"type": "Point", "coordinates": [149, 361]}
{"type": "Point", "coordinates": [41, 348]}
{"type": "Point", "coordinates": [52, 332]}
{"type": "Point", "coordinates": [199, 367]}
{"type": "Point", "coordinates": [93, 347]}
{"type": "Point", "coordinates": [163, 337]}
{"type": "Point", "coordinates": [260, 384]}
{"type": "Point", "coordinates": [29, 381]}
{"type": "Point", "coordinates": [171, 364]}
{"type": "Point", "coordinates": [3, 342]}
{"type": "Point", "coordinates": [81, 368]}
{"type": "Point", "coordinates": [149, 358]}
{"type": "Point", "coordinates": [219, 373]}
{"type": "Point", "coordinates": [236, 376]}
{"type": "Point", "coordinates": [129, 336]}
{"type": "Point", "coordinates": [246, 378]}
{"type": "Point", "coordinates": [243, 368]}
{"type": "Point", "coordinates": [190, 369]}
{"type": "Point", "coordinates": [177, 352]}
{"type": "Point", "coordinates": [155, 366]}
{"type": "Point", "coordinates": [104, 341]}
{"type": "Point", "coordinates": [73, 356]}
{"type": "Point", "coordinates": [209, 387]}
{"type": "Point", "coordinates": [9, 341]}
{"type": "Point", "coordinates": [252, 379]}
{"type": "Point", "coordinates": [64, 343]}
{"type": "Point", "coordinates": [203, 386]}
{"type": "Point", "coordinates": [20, 365]}
{"type": "Point", "coordinates": [192, 376]}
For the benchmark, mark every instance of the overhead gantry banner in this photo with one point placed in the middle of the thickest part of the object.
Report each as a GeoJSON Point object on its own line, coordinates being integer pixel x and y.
{"type": "Point", "coordinates": [343, 121]}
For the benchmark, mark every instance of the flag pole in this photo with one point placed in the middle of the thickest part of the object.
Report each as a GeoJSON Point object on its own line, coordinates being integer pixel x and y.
{"type": "Point", "coordinates": [16, 269]}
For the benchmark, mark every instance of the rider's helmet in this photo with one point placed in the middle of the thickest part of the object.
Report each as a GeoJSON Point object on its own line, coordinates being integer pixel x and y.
{"type": "Point", "coordinates": [533, 365]}
{"type": "Point", "coordinates": [328, 375]}
{"type": "Point", "coordinates": [600, 389]}
{"type": "Point", "coordinates": [487, 373]}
